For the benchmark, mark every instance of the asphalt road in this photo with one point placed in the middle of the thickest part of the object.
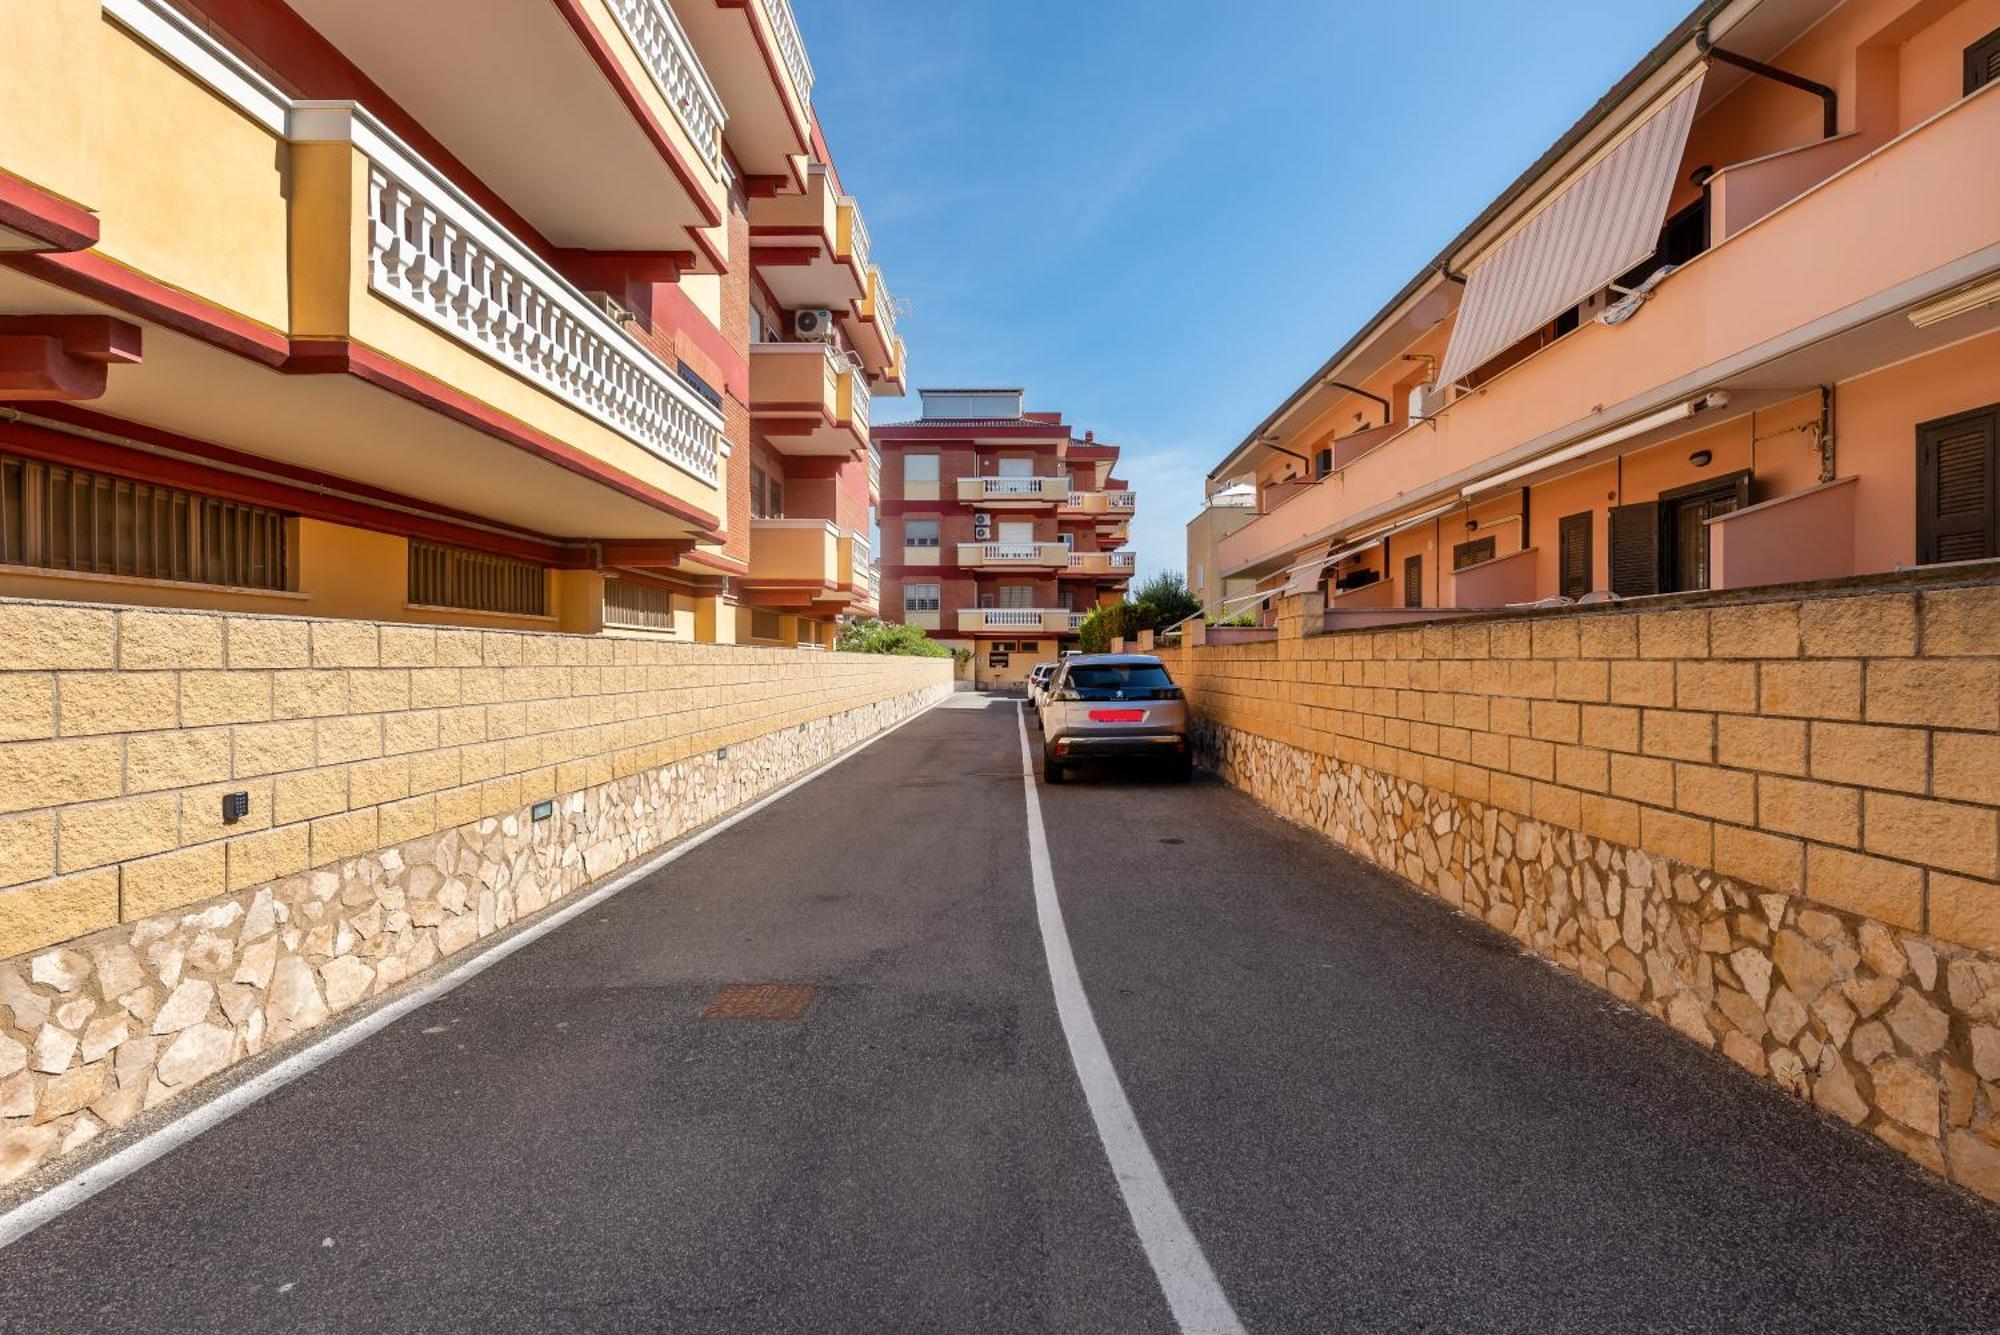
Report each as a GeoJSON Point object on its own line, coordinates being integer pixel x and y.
{"type": "Point", "coordinates": [1374, 1114]}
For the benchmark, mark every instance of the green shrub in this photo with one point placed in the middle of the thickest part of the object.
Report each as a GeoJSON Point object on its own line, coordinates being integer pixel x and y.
{"type": "Point", "coordinates": [870, 636]}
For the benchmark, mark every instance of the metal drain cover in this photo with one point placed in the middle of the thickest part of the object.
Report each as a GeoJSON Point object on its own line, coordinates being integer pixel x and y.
{"type": "Point", "coordinates": [761, 1001]}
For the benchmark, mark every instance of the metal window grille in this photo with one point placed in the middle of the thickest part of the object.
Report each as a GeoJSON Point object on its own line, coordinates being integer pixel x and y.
{"type": "Point", "coordinates": [59, 518]}
{"type": "Point", "coordinates": [637, 605]}
{"type": "Point", "coordinates": [470, 581]}
{"type": "Point", "coordinates": [920, 598]}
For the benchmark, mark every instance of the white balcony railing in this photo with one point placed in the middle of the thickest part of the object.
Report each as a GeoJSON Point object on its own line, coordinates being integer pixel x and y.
{"type": "Point", "coordinates": [1122, 560]}
{"type": "Point", "coordinates": [864, 401]}
{"type": "Point", "coordinates": [664, 49]}
{"type": "Point", "coordinates": [792, 47]}
{"type": "Point", "coordinates": [1124, 500]}
{"type": "Point", "coordinates": [857, 234]}
{"type": "Point", "coordinates": [436, 254]}
{"type": "Point", "coordinates": [1076, 620]}
{"type": "Point", "coordinates": [1012, 486]}
{"type": "Point", "coordinates": [1010, 551]}
{"type": "Point", "coordinates": [1013, 618]}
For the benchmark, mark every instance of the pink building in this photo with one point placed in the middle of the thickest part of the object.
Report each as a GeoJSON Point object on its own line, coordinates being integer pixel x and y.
{"type": "Point", "coordinates": [1739, 326]}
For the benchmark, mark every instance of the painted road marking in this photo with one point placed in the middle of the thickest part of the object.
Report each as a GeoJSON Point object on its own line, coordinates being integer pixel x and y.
{"type": "Point", "coordinates": [1193, 1293]}
{"type": "Point", "coordinates": [73, 1191]}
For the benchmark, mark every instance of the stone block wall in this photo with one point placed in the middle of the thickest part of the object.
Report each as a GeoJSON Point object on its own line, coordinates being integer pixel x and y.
{"type": "Point", "coordinates": [1772, 822]}
{"type": "Point", "coordinates": [393, 773]}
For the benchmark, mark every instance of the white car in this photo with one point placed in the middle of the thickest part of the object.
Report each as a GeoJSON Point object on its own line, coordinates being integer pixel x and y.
{"type": "Point", "coordinates": [1114, 706]}
{"type": "Point", "coordinates": [1038, 684]}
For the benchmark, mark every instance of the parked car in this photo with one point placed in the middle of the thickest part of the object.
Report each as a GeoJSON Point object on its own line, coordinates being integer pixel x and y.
{"type": "Point", "coordinates": [1038, 681]}
{"type": "Point", "coordinates": [1114, 706]}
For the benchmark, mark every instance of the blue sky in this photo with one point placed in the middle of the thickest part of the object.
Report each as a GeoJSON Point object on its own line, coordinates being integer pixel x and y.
{"type": "Point", "coordinates": [1160, 217]}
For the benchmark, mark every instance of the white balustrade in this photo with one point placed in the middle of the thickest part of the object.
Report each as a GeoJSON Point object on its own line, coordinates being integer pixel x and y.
{"type": "Point", "coordinates": [1012, 486]}
{"type": "Point", "coordinates": [1121, 560]}
{"type": "Point", "coordinates": [1124, 500]}
{"type": "Point", "coordinates": [440, 258]}
{"type": "Point", "coordinates": [792, 47]}
{"type": "Point", "coordinates": [1012, 618]}
{"type": "Point", "coordinates": [668, 55]}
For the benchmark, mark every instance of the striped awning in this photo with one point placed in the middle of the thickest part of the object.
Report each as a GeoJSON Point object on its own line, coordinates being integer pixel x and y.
{"type": "Point", "coordinates": [1603, 223]}
{"type": "Point", "coordinates": [1304, 575]}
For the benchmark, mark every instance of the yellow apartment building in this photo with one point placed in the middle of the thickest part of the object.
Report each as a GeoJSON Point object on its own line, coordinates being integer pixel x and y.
{"type": "Point", "coordinates": [575, 329]}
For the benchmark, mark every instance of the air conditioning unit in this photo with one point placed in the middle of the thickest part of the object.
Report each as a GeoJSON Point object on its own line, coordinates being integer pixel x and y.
{"type": "Point", "coordinates": [815, 325]}
{"type": "Point", "coordinates": [1426, 400]}
{"type": "Point", "coordinates": [982, 527]}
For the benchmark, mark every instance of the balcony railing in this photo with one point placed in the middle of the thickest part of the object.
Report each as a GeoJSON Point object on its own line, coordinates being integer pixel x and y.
{"type": "Point", "coordinates": [1076, 620]}
{"type": "Point", "coordinates": [1124, 500]}
{"type": "Point", "coordinates": [1050, 490]}
{"type": "Point", "coordinates": [792, 47]}
{"type": "Point", "coordinates": [863, 403]}
{"type": "Point", "coordinates": [857, 233]}
{"type": "Point", "coordinates": [439, 257]}
{"type": "Point", "coordinates": [1046, 620]}
{"type": "Point", "coordinates": [1012, 553]}
{"type": "Point", "coordinates": [668, 55]}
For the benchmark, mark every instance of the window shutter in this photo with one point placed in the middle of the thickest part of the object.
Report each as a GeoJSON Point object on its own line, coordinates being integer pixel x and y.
{"type": "Point", "coordinates": [1413, 581]}
{"type": "Point", "coordinates": [1635, 549]}
{"type": "Point", "coordinates": [1575, 561]}
{"type": "Point", "coordinates": [1473, 552]}
{"type": "Point", "coordinates": [1956, 464]}
{"type": "Point", "coordinates": [1982, 62]}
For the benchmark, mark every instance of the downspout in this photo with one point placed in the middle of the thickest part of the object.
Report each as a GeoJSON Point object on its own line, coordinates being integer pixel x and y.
{"type": "Point", "coordinates": [1829, 99]}
{"type": "Point", "coordinates": [1826, 470]}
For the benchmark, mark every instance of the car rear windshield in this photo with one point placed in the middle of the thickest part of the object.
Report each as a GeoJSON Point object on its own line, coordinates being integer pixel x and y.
{"type": "Point", "coordinates": [1119, 677]}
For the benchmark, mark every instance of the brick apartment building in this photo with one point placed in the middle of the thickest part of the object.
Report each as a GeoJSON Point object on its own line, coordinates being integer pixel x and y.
{"type": "Point", "coordinates": [1000, 528]}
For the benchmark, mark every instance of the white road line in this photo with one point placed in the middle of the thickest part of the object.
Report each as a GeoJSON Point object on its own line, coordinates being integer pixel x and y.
{"type": "Point", "coordinates": [1193, 1293]}
{"type": "Point", "coordinates": [73, 1191]}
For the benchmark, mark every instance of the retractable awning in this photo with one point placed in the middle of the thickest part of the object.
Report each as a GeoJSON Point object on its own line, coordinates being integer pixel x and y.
{"type": "Point", "coordinates": [1601, 224]}
{"type": "Point", "coordinates": [1305, 574]}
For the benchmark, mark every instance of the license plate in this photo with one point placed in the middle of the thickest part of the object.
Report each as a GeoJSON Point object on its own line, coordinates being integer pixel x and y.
{"type": "Point", "coordinates": [1117, 716]}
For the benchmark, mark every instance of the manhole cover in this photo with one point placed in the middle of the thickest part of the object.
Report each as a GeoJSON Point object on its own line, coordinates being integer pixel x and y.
{"type": "Point", "coordinates": [761, 1001]}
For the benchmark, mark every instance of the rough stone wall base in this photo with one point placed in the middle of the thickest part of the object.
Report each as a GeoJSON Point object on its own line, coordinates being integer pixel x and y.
{"type": "Point", "coordinates": [1889, 1030]}
{"type": "Point", "coordinates": [97, 1030]}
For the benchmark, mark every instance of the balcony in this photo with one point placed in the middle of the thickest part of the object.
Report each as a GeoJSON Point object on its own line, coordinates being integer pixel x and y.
{"type": "Point", "coordinates": [1013, 555]}
{"type": "Point", "coordinates": [394, 267]}
{"type": "Point", "coordinates": [799, 562]}
{"type": "Point", "coordinates": [808, 399]}
{"type": "Point", "coordinates": [755, 54]}
{"type": "Point", "coordinates": [803, 246]}
{"type": "Point", "coordinates": [872, 331]}
{"type": "Point", "coordinates": [1100, 563]}
{"type": "Point", "coordinates": [1762, 308]}
{"type": "Point", "coordinates": [1045, 621]}
{"type": "Point", "coordinates": [1013, 492]}
{"type": "Point", "coordinates": [620, 149]}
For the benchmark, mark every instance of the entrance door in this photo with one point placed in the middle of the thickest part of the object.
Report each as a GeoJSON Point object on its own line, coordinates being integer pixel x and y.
{"type": "Point", "coordinates": [1687, 512]}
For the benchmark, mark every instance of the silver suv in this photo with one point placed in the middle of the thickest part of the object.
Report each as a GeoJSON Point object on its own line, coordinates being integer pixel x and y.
{"type": "Point", "coordinates": [1114, 706]}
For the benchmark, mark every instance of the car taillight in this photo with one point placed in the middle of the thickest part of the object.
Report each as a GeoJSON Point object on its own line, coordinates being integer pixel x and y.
{"type": "Point", "coordinates": [1117, 716]}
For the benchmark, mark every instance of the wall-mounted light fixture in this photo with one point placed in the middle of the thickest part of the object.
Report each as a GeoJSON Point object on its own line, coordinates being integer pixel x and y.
{"type": "Point", "coordinates": [1702, 458]}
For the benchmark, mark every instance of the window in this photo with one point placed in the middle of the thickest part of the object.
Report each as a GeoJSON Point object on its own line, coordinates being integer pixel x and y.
{"type": "Point", "coordinates": [920, 468]}
{"type": "Point", "coordinates": [472, 581]}
{"type": "Point", "coordinates": [1574, 565]}
{"type": "Point", "coordinates": [1323, 462]}
{"type": "Point", "coordinates": [920, 597]}
{"type": "Point", "coordinates": [1982, 62]}
{"type": "Point", "coordinates": [1662, 546]}
{"type": "Point", "coordinates": [628, 604]}
{"type": "Point", "coordinates": [764, 625]}
{"type": "Point", "coordinates": [767, 495]}
{"type": "Point", "coordinates": [920, 532]}
{"type": "Point", "coordinates": [59, 518]}
{"type": "Point", "coordinates": [1017, 468]}
{"type": "Point", "coordinates": [1413, 581]}
{"type": "Point", "coordinates": [1472, 553]}
{"type": "Point", "coordinates": [1958, 487]}
{"type": "Point", "coordinates": [1017, 595]}
{"type": "Point", "coordinates": [1098, 679]}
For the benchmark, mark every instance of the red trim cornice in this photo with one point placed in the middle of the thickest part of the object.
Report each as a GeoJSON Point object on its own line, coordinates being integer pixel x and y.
{"type": "Point", "coordinates": [48, 218]}
{"type": "Point", "coordinates": [90, 274]}
{"type": "Point", "coordinates": [164, 470]}
{"type": "Point", "coordinates": [321, 356]}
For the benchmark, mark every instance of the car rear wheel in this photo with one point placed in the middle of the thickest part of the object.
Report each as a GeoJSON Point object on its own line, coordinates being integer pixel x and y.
{"type": "Point", "coordinates": [1181, 768]}
{"type": "Point", "coordinates": [1052, 769]}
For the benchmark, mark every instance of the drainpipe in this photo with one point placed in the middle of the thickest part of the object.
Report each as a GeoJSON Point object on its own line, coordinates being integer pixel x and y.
{"type": "Point", "coordinates": [1829, 100]}
{"type": "Point", "coordinates": [1388, 412]}
{"type": "Point", "coordinates": [1826, 433]}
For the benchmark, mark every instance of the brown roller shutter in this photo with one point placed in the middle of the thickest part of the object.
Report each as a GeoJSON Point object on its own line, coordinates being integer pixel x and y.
{"type": "Point", "coordinates": [1957, 462]}
{"type": "Point", "coordinates": [1635, 549]}
{"type": "Point", "coordinates": [1576, 557]}
{"type": "Point", "coordinates": [1413, 581]}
